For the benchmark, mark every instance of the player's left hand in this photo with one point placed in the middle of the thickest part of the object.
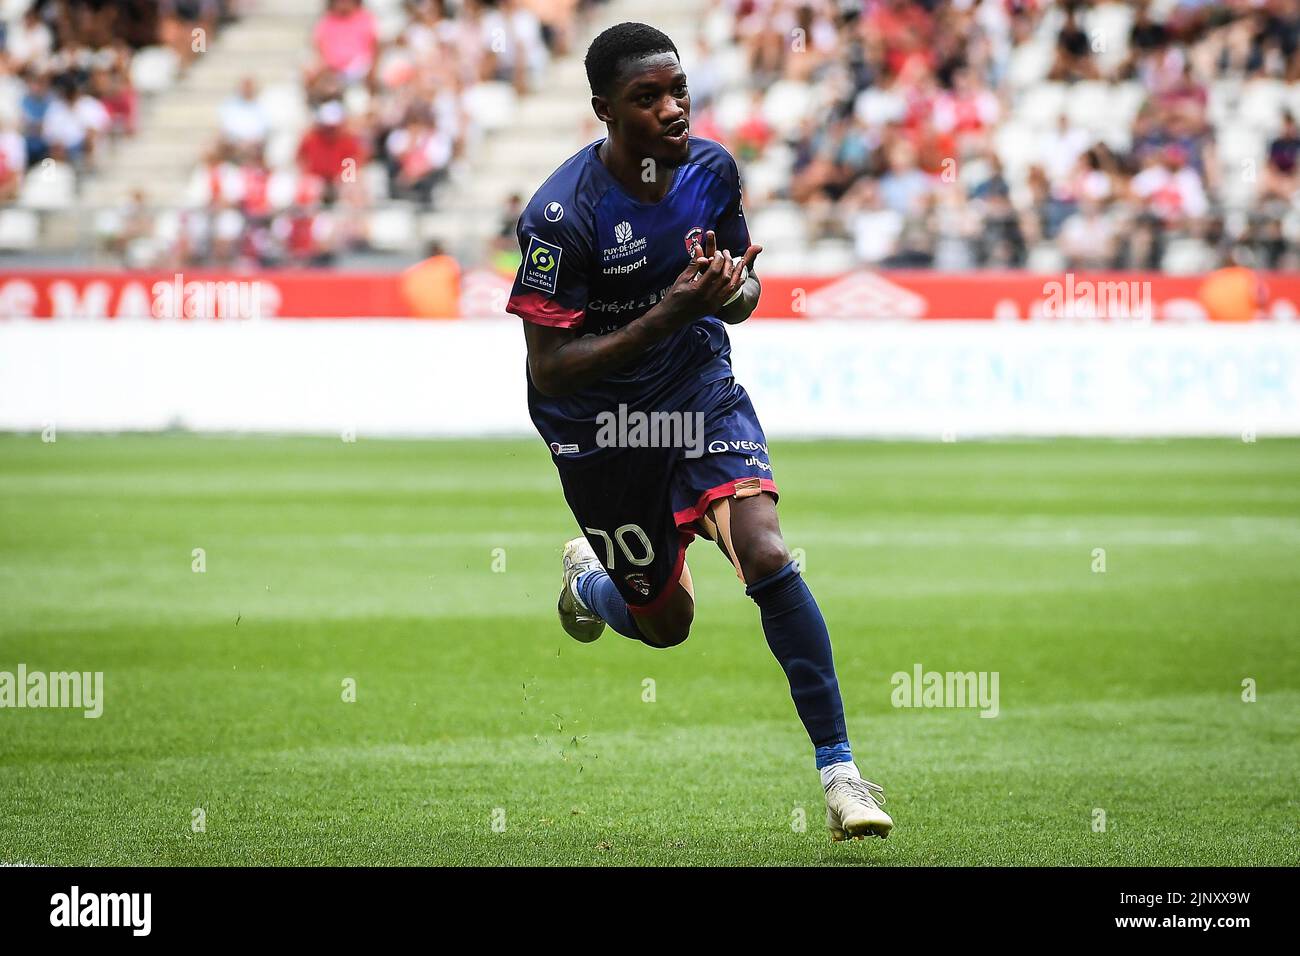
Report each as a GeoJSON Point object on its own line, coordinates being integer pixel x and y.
{"type": "Point", "coordinates": [721, 266]}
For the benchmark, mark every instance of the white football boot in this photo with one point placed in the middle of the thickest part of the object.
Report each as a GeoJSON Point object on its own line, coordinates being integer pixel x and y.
{"type": "Point", "coordinates": [580, 621]}
{"type": "Point", "coordinates": [853, 804]}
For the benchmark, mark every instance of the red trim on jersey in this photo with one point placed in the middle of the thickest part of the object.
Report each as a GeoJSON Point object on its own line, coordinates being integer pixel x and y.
{"type": "Point", "coordinates": [688, 515]}
{"type": "Point", "coordinates": [535, 307]}
{"type": "Point", "coordinates": [684, 538]}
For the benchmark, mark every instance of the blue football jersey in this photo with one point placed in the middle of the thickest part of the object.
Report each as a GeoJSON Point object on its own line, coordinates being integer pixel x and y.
{"type": "Point", "coordinates": [594, 259]}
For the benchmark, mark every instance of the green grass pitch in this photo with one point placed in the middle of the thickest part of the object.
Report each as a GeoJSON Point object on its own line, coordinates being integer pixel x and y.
{"type": "Point", "coordinates": [376, 561]}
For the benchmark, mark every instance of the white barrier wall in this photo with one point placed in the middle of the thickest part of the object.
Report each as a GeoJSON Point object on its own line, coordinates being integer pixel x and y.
{"type": "Point", "coordinates": [924, 379]}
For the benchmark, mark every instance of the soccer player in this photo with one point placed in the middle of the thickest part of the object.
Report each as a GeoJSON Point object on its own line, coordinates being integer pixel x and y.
{"type": "Point", "coordinates": [635, 257]}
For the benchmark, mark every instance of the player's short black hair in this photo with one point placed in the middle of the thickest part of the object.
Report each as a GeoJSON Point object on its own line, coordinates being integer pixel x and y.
{"type": "Point", "coordinates": [616, 46]}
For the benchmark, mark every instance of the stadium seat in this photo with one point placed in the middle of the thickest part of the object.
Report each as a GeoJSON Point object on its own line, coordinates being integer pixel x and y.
{"type": "Point", "coordinates": [1110, 23]}
{"type": "Point", "coordinates": [1017, 146]}
{"type": "Point", "coordinates": [1041, 105]}
{"type": "Point", "coordinates": [782, 219]}
{"type": "Point", "coordinates": [1030, 63]}
{"type": "Point", "coordinates": [356, 100]}
{"type": "Point", "coordinates": [1088, 104]}
{"type": "Point", "coordinates": [282, 148]}
{"type": "Point", "coordinates": [491, 104]}
{"type": "Point", "coordinates": [732, 108]}
{"type": "Point", "coordinates": [1045, 257]}
{"type": "Point", "coordinates": [285, 106]}
{"type": "Point", "coordinates": [1124, 101]}
{"type": "Point", "coordinates": [763, 177]}
{"type": "Point", "coordinates": [877, 107]}
{"type": "Point", "coordinates": [11, 98]}
{"type": "Point", "coordinates": [19, 229]}
{"type": "Point", "coordinates": [1187, 256]}
{"type": "Point", "coordinates": [1221, 105]}
{"type": "Point", "coordinates": [374, 177]}
{"type": "Point", "coordinates": [786, 104]}
{"type": "Point", "coordinates": [154, 69]}
{"type": "Point", "coordinates": [391, 228]}
{"type": "Point", "coordinates": [49, 186]}
{"type": "Point", "coordinates": [830, 256]}
{"type": "Point", "coordinates": [1261, 104]}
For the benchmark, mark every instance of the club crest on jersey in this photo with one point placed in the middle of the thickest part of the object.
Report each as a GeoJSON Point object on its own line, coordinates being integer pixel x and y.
{"type": "Point", "coordinates": [638, 582]}
{"type": "Point", "coordinates": [541, 265]}
{"type": "Point", "coordinates": [695, 235]}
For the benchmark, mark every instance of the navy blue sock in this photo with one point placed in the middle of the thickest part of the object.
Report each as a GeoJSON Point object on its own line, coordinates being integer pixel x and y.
{"type": "Point", "coordinates": [798, 638]}
{"type": "Point", "coordinates": [597, 590]}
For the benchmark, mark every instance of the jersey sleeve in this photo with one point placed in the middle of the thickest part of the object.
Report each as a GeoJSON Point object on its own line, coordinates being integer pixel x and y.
{"type": "Point", "coordinates": [732, 230]}
{"type": "Point", "coordinates": [551, 285]}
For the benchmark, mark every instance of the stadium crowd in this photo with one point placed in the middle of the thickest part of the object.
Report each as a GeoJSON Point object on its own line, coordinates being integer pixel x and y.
{"type": "Point", "coordinates": [67, 78]}
{"type": "Point", "coordinates": [388, 119]}
{"type": "Point", "coordinates": [945, 134]}
{"type": "Point", "coordinates": [958, 134]}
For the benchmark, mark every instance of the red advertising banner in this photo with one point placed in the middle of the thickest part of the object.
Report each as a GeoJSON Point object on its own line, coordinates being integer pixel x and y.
{"type": "Point", "coordinates": [432, 290]}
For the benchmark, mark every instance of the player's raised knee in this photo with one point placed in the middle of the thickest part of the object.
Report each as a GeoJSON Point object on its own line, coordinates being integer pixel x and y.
{"type": "Point", "coordinates": [668, 628]}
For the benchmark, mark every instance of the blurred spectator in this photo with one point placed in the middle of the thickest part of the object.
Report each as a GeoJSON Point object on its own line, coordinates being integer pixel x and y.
{"type": "Point", "coordinates": [74, 122]}
{"type": "Point", "coordinates": [305, 233]}
{"type": "Point", "coordinates": [420, 153]}
{"type": "Point", "coordinates": [13, 161]}
{"type": "Point", "coordinates": [35, 105]}
{"type": "Point", "coordinates": [1074, 59]}
{"type": "Point", "coordinates": [876, 227]}
{"type": "Point", "coordinates": [330, 151]}
{"type": "Point", "coordinates": [1170, 188]}
{"type": "Point", "coordinates": [187, 26]}
{"type": "Point", "coordinates": [243, 118]}
{"type": "Point", "coordinates": [1001, 128]}
{"type": "Point", "coordinates": [29, 41]}
{"type": "Point", "coordinates": [1087, 238]}
{"type": "Point", "coordinates": [1281, 173]}
{"type": "Point", "coordinates": [347, 40]}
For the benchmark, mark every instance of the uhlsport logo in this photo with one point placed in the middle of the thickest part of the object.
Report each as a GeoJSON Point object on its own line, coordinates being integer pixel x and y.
{"type": "Point", "coordinates": [75, 908]}
{"type": "Point", "coordinates": [554, 212]}
{"type": "Point", "coordinates": [541, 264]}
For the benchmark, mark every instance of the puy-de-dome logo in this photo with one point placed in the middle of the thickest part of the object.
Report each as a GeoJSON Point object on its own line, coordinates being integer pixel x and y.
{"type": "Point", "coordinates": [625, 246]}
{"type": "Point", "coordinates": [554, 212]}
{"type": "Point", "coordinates": [542, 259]}
{"type": "Point", "coordinates": [695, 235]}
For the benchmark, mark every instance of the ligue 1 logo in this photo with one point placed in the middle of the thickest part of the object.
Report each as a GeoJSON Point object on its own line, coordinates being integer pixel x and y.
{"type": "Point", "coordinates": [543, 259]}
{"type": "Point", "coordinates": [695, 235]}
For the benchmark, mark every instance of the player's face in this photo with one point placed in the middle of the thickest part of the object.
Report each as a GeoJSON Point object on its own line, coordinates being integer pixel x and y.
{"type": "Point", "coordinates": [651, 110]}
